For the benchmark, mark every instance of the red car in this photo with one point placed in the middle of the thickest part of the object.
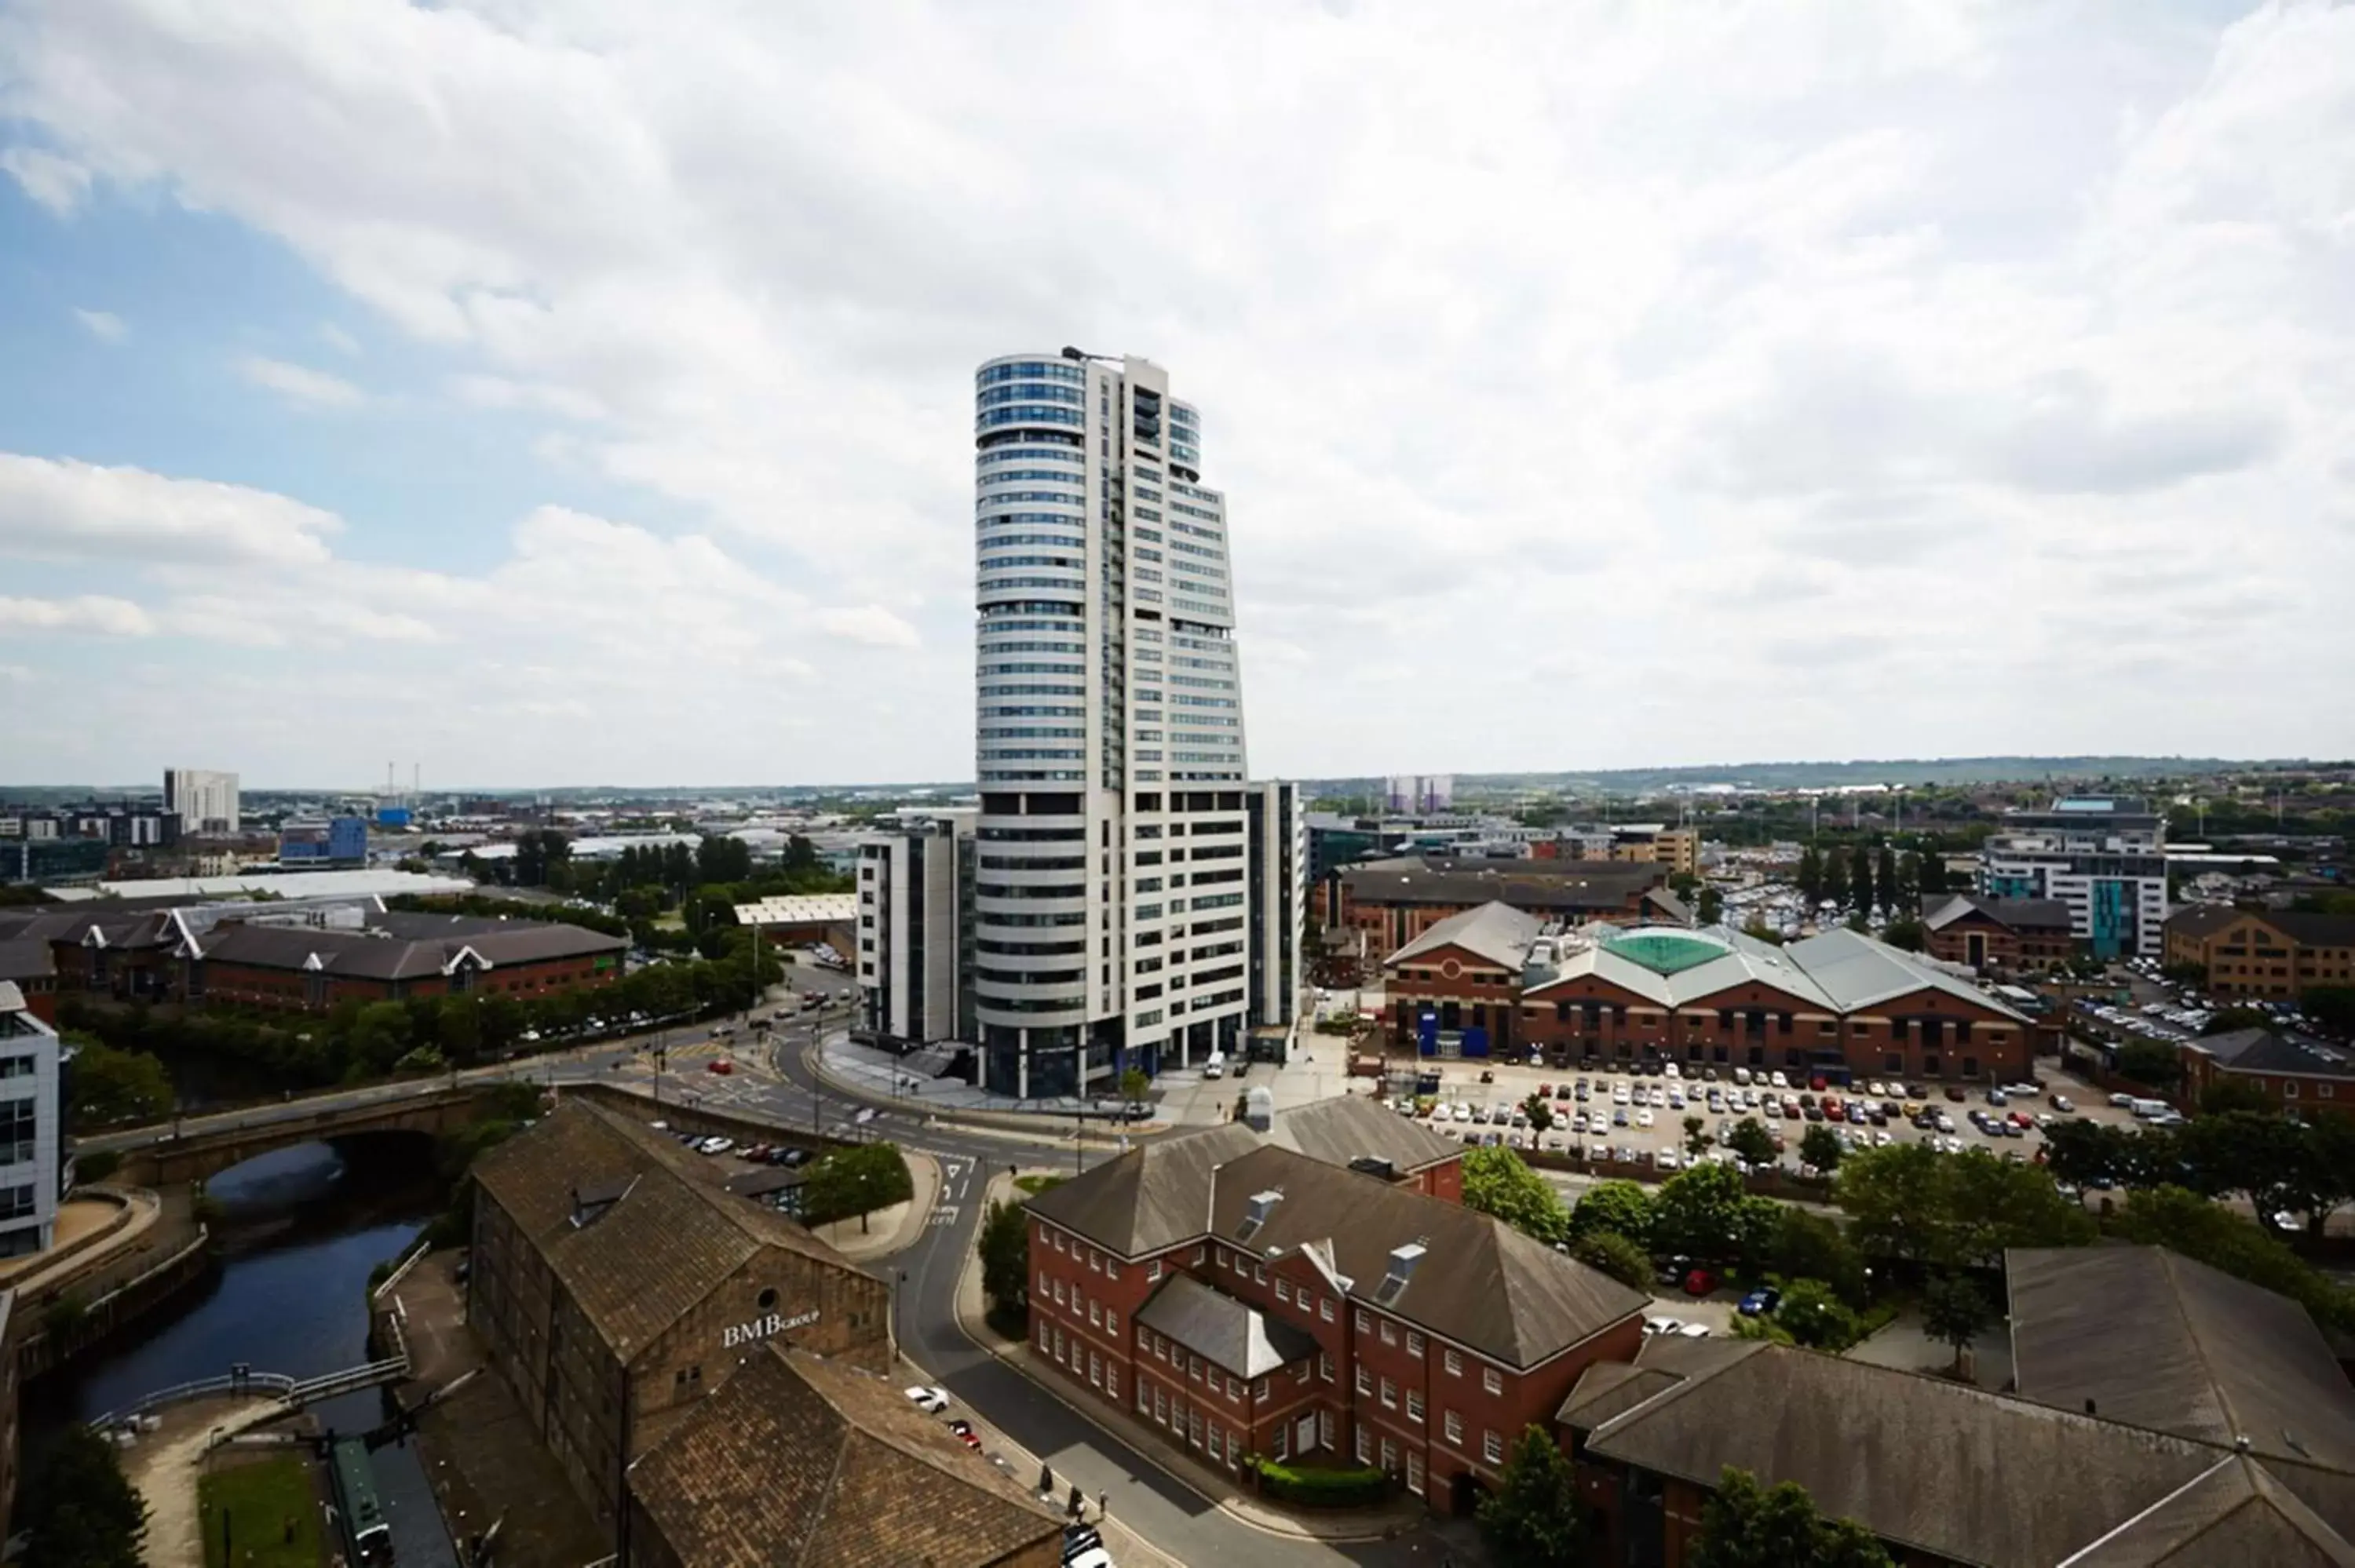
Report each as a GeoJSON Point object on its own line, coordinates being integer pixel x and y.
{"type": "Point", "coordinates": [1700, 1282]}
{"type": "Point", "coordinates": [963, 1429]}
{"type": "Point", "coordinates": [1817, 1083]}
{"type": "Point", "coordinates": [723, 1066]}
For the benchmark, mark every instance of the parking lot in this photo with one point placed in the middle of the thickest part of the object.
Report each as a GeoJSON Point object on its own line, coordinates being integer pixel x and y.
{"type": "Point", "coordinates": [1622, 1113]}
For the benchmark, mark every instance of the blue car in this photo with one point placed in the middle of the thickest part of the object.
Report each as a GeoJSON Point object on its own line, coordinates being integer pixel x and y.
{"type": "Point", "coordinates": [1764, 1299]}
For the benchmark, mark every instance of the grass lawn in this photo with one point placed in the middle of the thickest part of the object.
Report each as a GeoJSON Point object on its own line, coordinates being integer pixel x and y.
{"type": "Point", "coordinates": [1034, 1185]}
{"type": "Point", "coordinates": [259, 1498]}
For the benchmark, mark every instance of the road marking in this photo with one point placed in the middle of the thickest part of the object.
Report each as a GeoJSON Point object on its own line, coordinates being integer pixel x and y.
{"type": "Point", "coordinates": [945, 1214]}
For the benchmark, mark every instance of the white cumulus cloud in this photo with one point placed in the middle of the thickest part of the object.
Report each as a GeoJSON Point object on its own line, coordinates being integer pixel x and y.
{"type": "Point", "coordinates": [300, 385]}
{"type": "Point", "coordinates": [103, 326]}
{"type": "Point", "coordinates": [60, 509]}
{"type": "Point", "coordinates": [98, 613]}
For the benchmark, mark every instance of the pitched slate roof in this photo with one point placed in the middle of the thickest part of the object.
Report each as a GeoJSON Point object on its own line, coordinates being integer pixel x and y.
{"type": "Point", "coordinates": [655, 1254]}
{"type": "Point", "coordinates": [27, 959]}
{"type": "Point", "coordinates": [1497, 932]}
{"type": "Point", "coordinates": [1353, 1126]}
{"type": "Point", "coordinates": [1616, 955]}
{"type": "Point", "coordinates": [1859, 972]}
{"type": "Point", "coordinates": [2205, 919]}
{"type": "Point", "coordinates": [2265, 1051]}
{"type": "Point", "coordinates": [1929, 1464]}
{"type": "Point", "coordinates": [2155, 1339]}
{"type": "Point", "coordinates": [2019, 914]}
{"type": "Point", "coordinates": [800, 1462]}
{"type": "Point", "coordinates": [2234, 1515]}
{"type": "Point", "coordinates": [1231, 1335]}
{"type": "Point", "coordinates": [1480, 1283]}
{"type": "Point", "coordinates": [392, 957]}
{"type": "Point", "coordinates": [1577, 885]}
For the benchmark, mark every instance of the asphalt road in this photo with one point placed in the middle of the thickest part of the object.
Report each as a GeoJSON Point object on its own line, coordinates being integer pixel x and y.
{"type": "Point", "coordinates": [773, 1084]}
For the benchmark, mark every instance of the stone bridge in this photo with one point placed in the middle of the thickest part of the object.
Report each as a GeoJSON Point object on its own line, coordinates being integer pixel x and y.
{"type": "Point", "coordinates": [159, 1155]}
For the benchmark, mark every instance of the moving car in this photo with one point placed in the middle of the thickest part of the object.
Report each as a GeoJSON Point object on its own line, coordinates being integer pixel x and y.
{"type": "Point", "coordinates": [721, 1066]}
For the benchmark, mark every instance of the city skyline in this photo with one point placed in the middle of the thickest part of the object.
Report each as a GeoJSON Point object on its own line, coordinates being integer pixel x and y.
{"type": "Point", "coordinates": [575, 401]}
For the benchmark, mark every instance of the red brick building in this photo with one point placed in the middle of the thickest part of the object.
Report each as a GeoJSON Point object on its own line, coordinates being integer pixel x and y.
{"type": "Point", "coordinates": [396, 957]}
{"type": "Point", "coordinates": [113, 950]}
{"type": "Point", "coordinates": [2304, 1078]}
{"type": "Point", "coordinates": [2014, 935]}
{"type": "Point", "coordinates": [1247, 1299]}
{"type": "Point", "coordinates": [1395, 901]}
{"type": "Point", "coordinates": [2278, 955]}
{"type": "Point", "coordinates": [1839, 1003]}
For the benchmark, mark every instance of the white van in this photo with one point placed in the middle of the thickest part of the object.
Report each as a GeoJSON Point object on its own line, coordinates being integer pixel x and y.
{"type": "Point", "coordinates": [1216, 1067]}
{"type": "Point", "coordinates": [2145, 1110]}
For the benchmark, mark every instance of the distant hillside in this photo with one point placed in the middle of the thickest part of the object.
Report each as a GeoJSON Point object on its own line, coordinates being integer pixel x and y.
{"type": "Point", "coordinates": [1913, 772]}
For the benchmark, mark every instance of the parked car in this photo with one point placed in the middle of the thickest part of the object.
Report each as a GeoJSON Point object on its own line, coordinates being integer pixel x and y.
{"type": "Point", "coordinates": [963, 1429]}
{"type": "Point", "coordinates": [1700, 1282]}
{"type": "Point", "coordinates": [928, 1398]}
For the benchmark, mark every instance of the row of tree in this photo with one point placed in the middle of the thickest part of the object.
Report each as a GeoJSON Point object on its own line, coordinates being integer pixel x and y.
{"type": "Point", "coordinates": [1861, 876]}
{"type": "Point", "coordinates": [2304, 1169]}
{"type": "Point", "coordinates": [543, 858]}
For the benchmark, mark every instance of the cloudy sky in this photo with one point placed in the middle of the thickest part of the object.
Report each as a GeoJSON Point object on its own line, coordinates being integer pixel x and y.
{"type": "Point", "coordinates": [575, 391]}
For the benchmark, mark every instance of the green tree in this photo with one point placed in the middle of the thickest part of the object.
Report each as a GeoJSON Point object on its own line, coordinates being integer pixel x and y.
{"type": "Point", "coordinates": [1884, 881]}
{"type": "Point", "coordinates": [1835, 877]}
{"type": "Point", "coordinates": [1745, 1525]}
{"type": "Point", "coordinates": [1953, 1211]}
{"type": "Point", "coordinates": [2226, 1095]}
{"type": "Point", "coordinates": [380, 1038]}
{"type": "Point", "coordinates": [1614, 1255]}
{"type": "Point", "coordinates": [1811, 876]}
{"type": "Point", "coordinates": [108, 1086]}
{"type": "Point", "coordinates": [1134, 1085]}
{"type": "Point", "coordinates": [1697, 1139]}
{"type": "Point", "coordinates": [2333, 1008]}
{"type": "Point", "coordinates": [1535, 1518]}
{"type": "Point", "coordinates": [1006, 1265]}
{"type": "Point", "coordinates": [1623, 1207]}
{"type": "Point", "coordinates": [1497, 1182]}
{"type": "Point", "coordinates": [78, 1509]}
{"type": "Point", "coordinates": [1806, 1246]}
{"type": "Point", "coordinates": [1955, 1311]}
{"type": "Point", "coordinates": [1816, 1318]}
{"type": "Point", "coordinates": [1749, 1139]}
{"type": "Point", "coordinates": [2153, 1062]}
{"type": "Point", "coordinates": [2231, 1020]}
{"type": "Point", "coordinates": [1711, 907]}
{"type": "Point", "coordinates": [1709, 1212]}
{"type": "Point", "coordinates": [856, 1181]}
{"type": "Point", "coordinates": [1820, 1147]}
{"type": "Point", "coordinates": [1862, 894]}
{"type": "Point", "coordinates": [1909, 881]}
{"type": "Point", "coordinates": [2211, 1234]}
{"type": "Point", "coordinates": [1539, 1111]}
{"type": "Point", "coordinates": [1908, 934]}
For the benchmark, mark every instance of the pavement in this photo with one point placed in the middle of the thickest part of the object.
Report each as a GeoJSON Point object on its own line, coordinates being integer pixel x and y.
{"type": "Point", "coordinates": [164, 1466]}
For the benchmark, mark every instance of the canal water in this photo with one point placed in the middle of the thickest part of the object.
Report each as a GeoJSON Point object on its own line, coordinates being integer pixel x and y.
{"type": "Point", "coordinates": [300, 1230]}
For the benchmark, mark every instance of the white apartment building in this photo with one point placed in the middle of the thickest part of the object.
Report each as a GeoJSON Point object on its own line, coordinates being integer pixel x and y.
{"type": "Point", "coordinates": [915, 905]}
{"type": "Point", "coordinates": [207, 801]}
{"type": "Point", "coordinates": [31, 1124]}
{"type": "Point", "coordinates": [2104, 858]}
{"type": "Point", "coordinates": [1113, 907]}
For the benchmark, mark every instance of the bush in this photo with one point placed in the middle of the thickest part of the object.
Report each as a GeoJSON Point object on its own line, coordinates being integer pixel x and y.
{"type": "Point", "coordinates": [856, 1181]}
{"type": "Point", "coordinates": [1610, 1253]}
{"type": "Point", "coordinates": [1322, 1488]}
{"type": "Point", "coordinates": [96, 1165]}
{"type": "Point", "coordinates": [1813, 1317]}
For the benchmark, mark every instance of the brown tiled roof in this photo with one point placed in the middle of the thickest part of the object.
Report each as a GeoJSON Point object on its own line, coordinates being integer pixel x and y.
{"type": "Point", "coordinates": [2205, 919]}
{"type": "Point", "coordinates": [1480, 1283]}
{"type": "Point", "coordinates": [2017, 914]}
{"type": "Point", "coordinates": [797, 1462]}
{"type": "Point", "coordinates": [655, 1254]}
{"type": "Point", "coordinates": [391, 956]}
{"type": "Point", "coordinates": [2152, 1338]}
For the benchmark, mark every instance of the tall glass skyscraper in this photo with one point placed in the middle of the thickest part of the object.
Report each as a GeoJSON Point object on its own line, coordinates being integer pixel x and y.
{"type": "Point", "coordinates": [1109, 926]}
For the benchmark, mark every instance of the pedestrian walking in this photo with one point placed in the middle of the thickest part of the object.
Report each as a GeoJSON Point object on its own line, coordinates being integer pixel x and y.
{"type": "Point", "coordinates": [1104, 1507]}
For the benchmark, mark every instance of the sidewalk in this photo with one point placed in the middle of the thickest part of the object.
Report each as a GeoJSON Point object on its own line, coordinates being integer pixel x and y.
{"type": "Point", "coordinates": [893, 1227]}
{"type": "Point", "coordinates": [1223, 1491]}
{"type": "Point", "coordinates": [969, 1108]}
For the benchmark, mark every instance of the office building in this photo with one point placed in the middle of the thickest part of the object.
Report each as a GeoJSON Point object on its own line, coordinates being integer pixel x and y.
{"type": "Point", "coordinates": [2269, 954]}
{"type": "Point", "coordinates": [2101, 856]}
{"type": "Point", "coordinates": [320, 843]}
{"type": "Point", "coordinates": [1111, 879]}
{"type": "Point", "coordinates": [33, 1173]}
{"type": "Point", "coordinates": [2014, 935]}
{"type": "Point", "coordinates": [1291, 1295]}
{"type": "Point", "coordinates": [1396, 900]}
{"type": "Point", "coordinates": [914, 961]}
{"type": "Point", "coordinates": [616, 1286]}
{"type": "Point", "coordinates": [205, 800]}
{"type": "Point", "coordinates": [1277, 853]}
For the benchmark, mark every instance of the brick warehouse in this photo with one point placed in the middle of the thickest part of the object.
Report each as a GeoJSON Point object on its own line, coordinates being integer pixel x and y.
{"type": "Point", "coordinates": [1247, 1299]}
{"type": "Point", "coordinates": [1395, 901]}
{"type": "Point", "coordinates": [396, 957]}
{"type": "Point", "coordinates": [1838, 1004]}
{"type": "Point", "coordinates": [615, 1285]}
{"type": "Point", "coordinates": [2014, 935]}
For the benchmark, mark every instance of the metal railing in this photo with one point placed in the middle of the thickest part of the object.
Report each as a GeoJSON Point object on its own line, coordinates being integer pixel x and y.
{"type": "Point", "coordinates": [293, 1392]}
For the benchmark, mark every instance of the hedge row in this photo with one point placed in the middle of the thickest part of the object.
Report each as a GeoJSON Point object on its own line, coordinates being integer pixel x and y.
{"type": "Point", "coordinates": [1322, 1488]}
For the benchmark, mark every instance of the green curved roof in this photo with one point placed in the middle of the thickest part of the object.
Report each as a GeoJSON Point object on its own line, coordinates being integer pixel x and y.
{"type": "Point", "coordinates": [1664, 952]}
